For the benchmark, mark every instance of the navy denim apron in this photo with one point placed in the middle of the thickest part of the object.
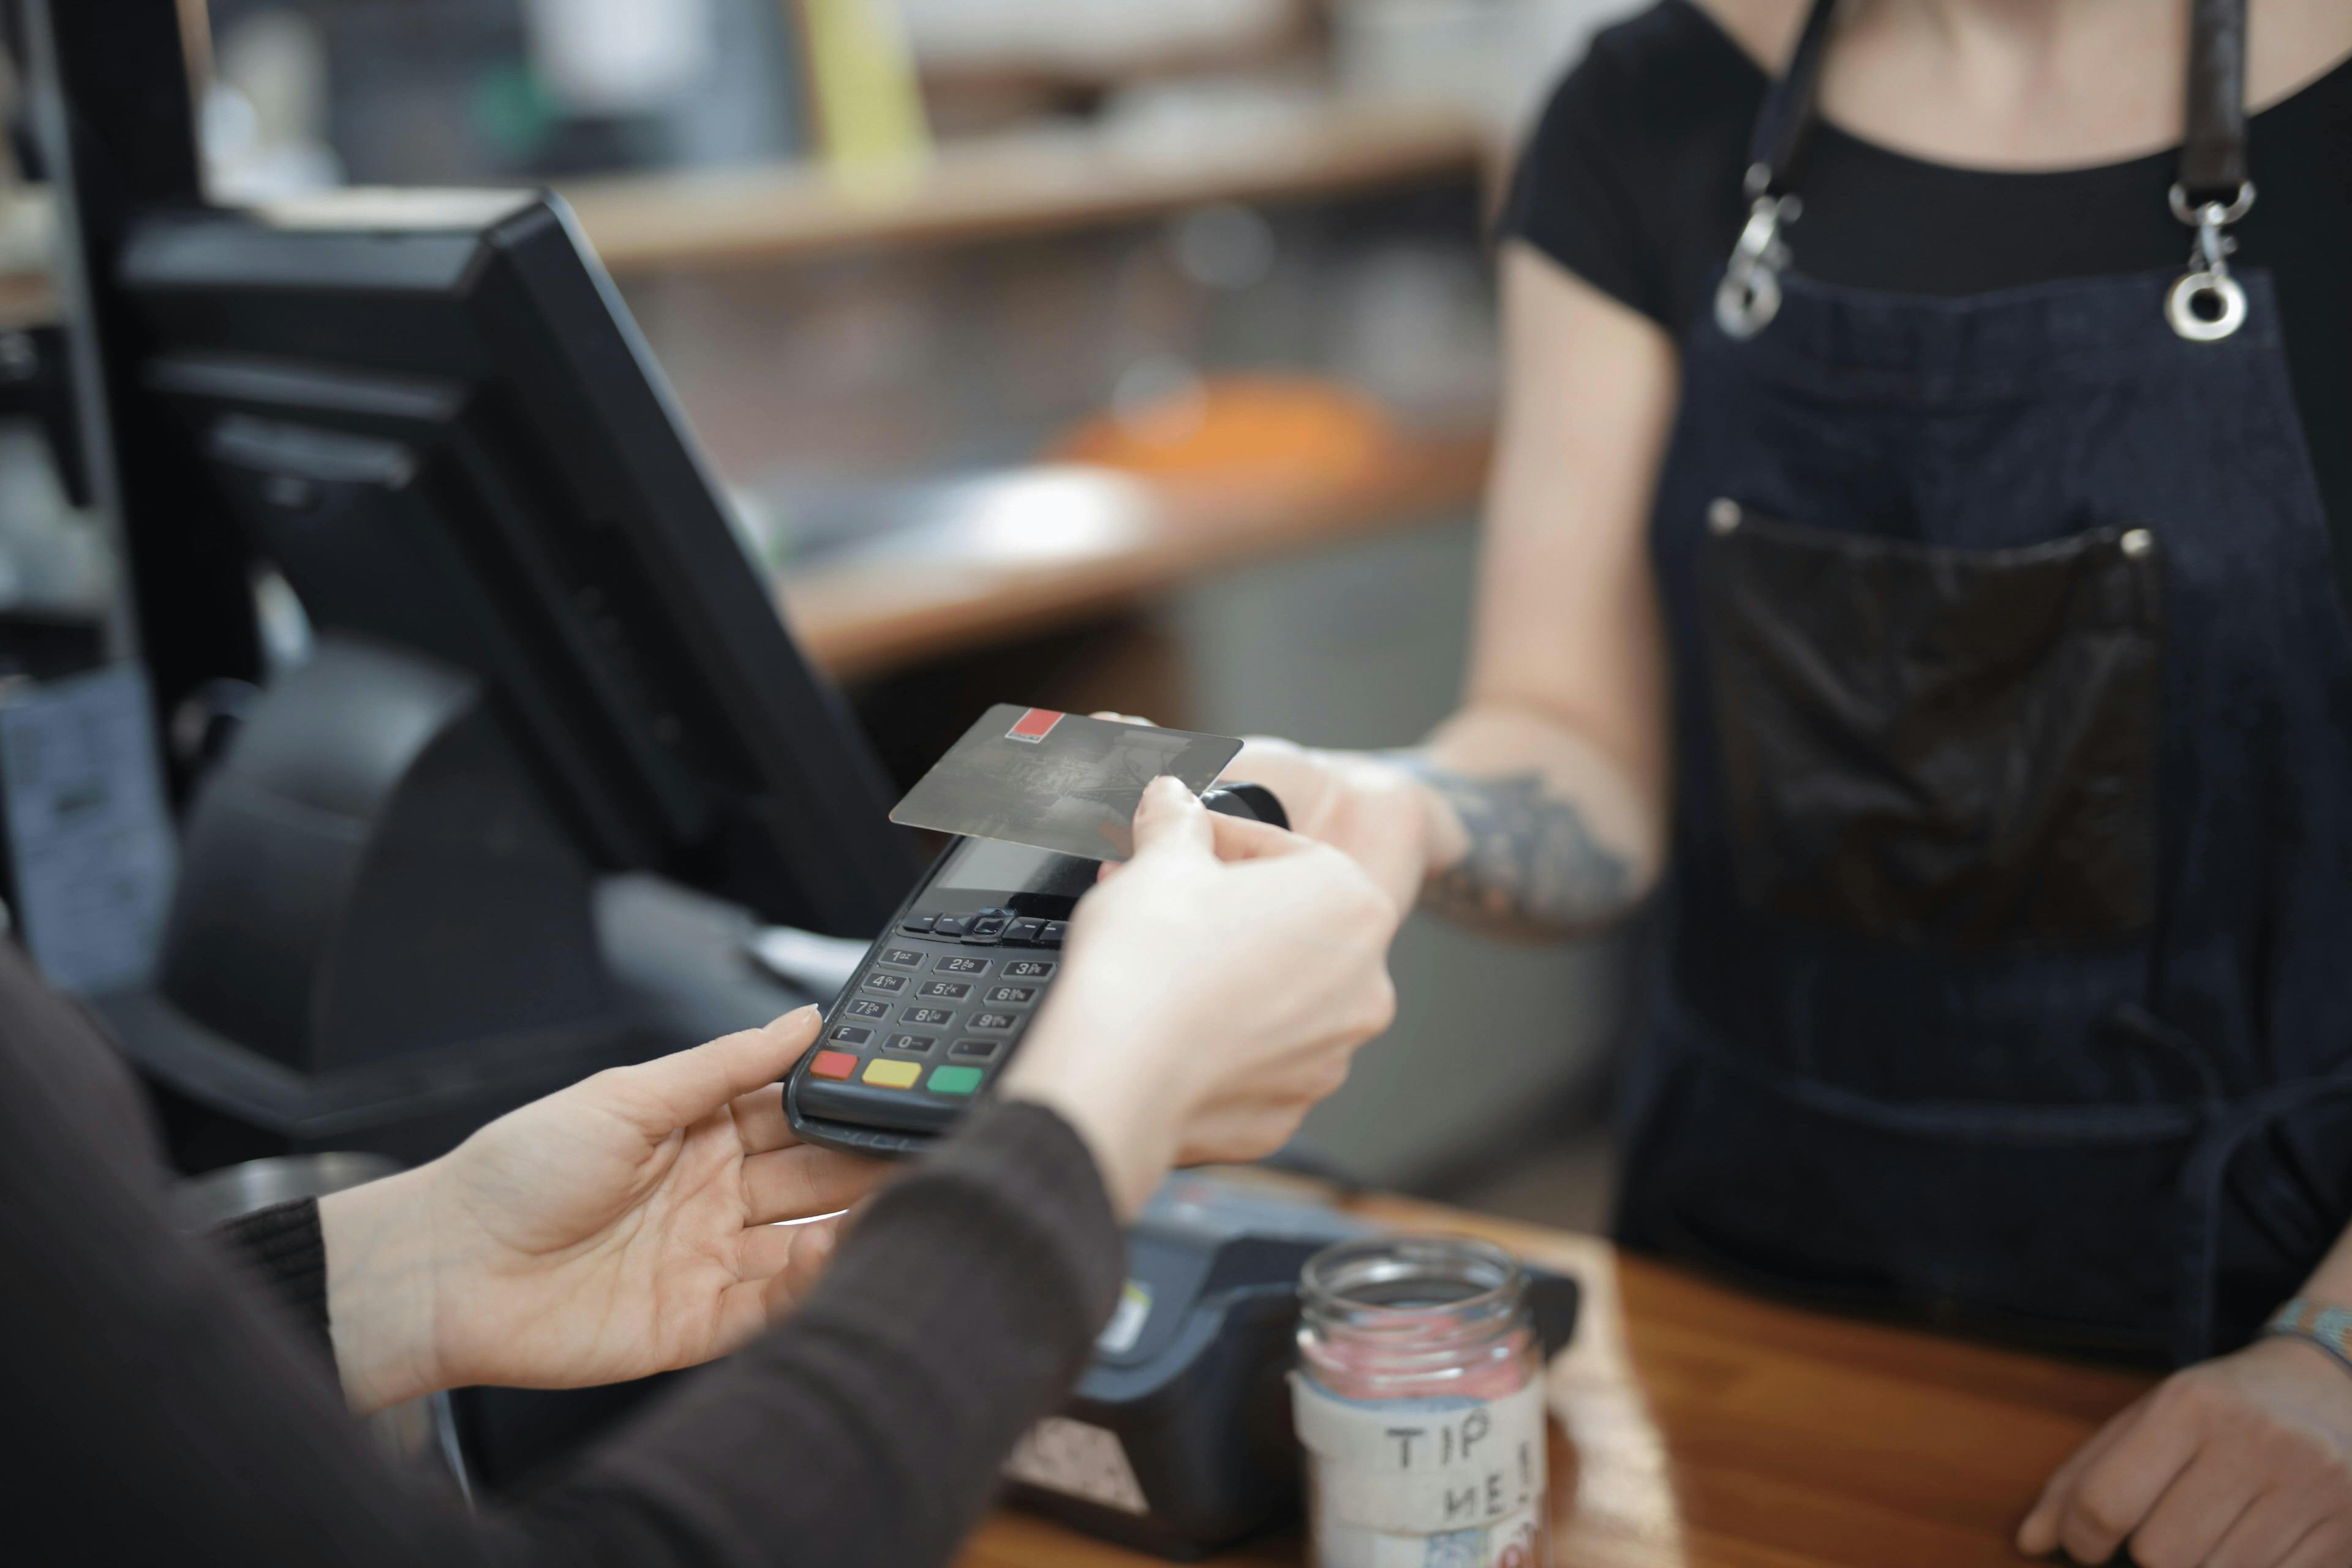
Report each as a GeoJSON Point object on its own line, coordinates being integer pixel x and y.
{"type": "Point", "coordinates": [2007, 971]}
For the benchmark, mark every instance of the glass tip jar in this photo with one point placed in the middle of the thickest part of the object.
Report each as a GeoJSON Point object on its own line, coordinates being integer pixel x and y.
{"type": "Point", "coordinates": [1419, 1397]}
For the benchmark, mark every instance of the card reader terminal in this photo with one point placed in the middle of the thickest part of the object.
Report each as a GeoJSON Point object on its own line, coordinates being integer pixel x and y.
{"type": "Point", "coordinates": [938, 1005]}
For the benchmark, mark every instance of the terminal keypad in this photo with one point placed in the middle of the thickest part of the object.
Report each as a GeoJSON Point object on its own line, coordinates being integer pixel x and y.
{"type": "Point", "coordinates": [973, 980]}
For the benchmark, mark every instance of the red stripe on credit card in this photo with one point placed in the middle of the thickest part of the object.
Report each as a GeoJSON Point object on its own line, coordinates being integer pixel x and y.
{"type": "Point", "coordinates": [1035, 725]}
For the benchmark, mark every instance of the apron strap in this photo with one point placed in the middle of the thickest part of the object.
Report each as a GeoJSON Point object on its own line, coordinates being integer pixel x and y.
{"type": "Point", "coordinates": [1779, 138]}
{"type": "Point", "coordinates": [2209, 192]}
{"type": "Point", "coordinates": [2213, 144]}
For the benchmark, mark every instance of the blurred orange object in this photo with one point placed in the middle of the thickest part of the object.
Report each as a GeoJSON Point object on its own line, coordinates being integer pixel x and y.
{"type": "Point", "coordinates": [1278, 431]}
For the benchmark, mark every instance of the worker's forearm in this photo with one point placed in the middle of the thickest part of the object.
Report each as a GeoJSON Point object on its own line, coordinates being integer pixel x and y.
{"type": "Point", "coordinates": [1533, 830]}
{"type": "Point", "coordinates": [2331, 1282]}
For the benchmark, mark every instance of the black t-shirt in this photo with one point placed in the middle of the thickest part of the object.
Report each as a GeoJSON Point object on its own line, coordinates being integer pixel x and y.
{"type": "Point", "coordinates": [1631, 181]}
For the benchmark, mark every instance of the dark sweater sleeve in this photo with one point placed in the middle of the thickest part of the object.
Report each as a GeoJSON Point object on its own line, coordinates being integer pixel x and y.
{"type": "Point", "coordinates": [287, 1253]}
{"type": "Point", "coordinates": [870, 1430]}
{"type": "Point", "coordinates": [180, 1413]}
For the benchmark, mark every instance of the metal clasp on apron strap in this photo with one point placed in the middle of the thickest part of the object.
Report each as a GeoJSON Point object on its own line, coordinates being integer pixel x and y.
{"type": "Point", "coordinates": [2211, 193]}
{"type": "Point", "coordinates": [2207, 304]}
{"type": "Point", "coordinates": [1749, 295]}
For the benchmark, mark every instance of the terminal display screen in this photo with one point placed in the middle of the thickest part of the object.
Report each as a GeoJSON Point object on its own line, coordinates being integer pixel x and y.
{"type": "Point", "coordinates": [989, 865]}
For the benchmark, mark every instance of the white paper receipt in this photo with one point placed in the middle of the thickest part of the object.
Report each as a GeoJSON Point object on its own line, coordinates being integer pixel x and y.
{"type": "Point", "coordinates": [1456, 1483]}
{"type": "Point", "coordinates": [1077, 1460]}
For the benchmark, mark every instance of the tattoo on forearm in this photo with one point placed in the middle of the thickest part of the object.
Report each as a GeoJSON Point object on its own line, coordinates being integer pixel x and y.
{"type": "Point", "coordinates": [1533, 859]}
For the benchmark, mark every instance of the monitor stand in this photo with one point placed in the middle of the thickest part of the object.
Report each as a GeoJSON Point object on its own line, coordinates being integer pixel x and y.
{"type": "Point", "coordinates": [382, 936]}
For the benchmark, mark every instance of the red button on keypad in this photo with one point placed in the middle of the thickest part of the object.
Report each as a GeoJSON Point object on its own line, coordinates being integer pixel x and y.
{"type": "Point", "coordinates": [834, 1064]}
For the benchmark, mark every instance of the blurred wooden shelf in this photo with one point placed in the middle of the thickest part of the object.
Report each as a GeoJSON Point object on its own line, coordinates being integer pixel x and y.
{"type": "Point", "coordinates": [990, 579]}
{"type": "Point", "coordinates": [27, 298]}
{"type": "Point", "coordinates": [1029, 182]}
{"type": "Point", "coordinates": [1032, 181]}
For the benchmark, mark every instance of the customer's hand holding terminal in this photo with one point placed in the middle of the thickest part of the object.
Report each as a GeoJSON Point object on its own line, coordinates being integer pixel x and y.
{"type": "Point", "coordinates": [938, 1010]}
{"type": "Point", "coordinates": [1219, 984]}
{"type": "Point", "coordinates": [1214, 987]}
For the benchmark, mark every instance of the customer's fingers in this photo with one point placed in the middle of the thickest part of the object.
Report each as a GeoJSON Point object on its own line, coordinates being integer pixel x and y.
{"type": "Point", "coordinates": [1169, 822]}
{"type": "Point", "coordinates": [761, 1123]}
{"type": "Point", "coordinates": [1247, 839]}
{"type": "Point", "coordinates": [811, 1257]}
{"type": "Point", "coordinates": [784, 1262]}
{"type": "Point", "coordinates": [793, 1184]}
{"type": "Point", "coordinates": [681, 1089]}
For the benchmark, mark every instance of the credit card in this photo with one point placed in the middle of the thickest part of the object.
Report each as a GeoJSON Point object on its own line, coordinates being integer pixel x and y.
{"type": "Point", "coordinates": [1057, 781]}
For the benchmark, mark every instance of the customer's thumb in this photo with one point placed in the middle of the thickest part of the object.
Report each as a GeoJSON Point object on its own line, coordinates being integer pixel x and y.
{"type": "Point", "coordinates": [1170, 821]}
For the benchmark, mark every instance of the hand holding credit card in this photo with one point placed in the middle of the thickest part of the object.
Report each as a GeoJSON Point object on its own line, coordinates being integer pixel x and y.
{"type": "Point", "coordinates": [1057, 781]}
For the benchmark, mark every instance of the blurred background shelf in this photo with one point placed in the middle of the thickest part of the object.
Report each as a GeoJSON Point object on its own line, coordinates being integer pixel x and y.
{"type": "Point", "coordinates": [1111, 543]}
{"type": "Point", "coordinates": [1025, 183]}
{"type": "Point", "coordinates": [27, 300]}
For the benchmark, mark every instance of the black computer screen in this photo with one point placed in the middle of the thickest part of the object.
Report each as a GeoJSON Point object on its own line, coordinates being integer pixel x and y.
{"type": "Point", "coordinates": [431, 412]}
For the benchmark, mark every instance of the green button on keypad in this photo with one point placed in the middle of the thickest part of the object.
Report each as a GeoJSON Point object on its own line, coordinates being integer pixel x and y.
{"type": "Point", "coordinates": [953, 1081]}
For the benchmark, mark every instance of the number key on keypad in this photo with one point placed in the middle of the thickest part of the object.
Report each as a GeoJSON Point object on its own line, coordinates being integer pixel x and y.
{"type": "Point", "coordinates": [958, 964]}
{"type": "Point", "coordinates": [1013, 995]}
{"type": "Point", "coordinates": [1028, 969]}
{"type": "Point", "coordinates": [929, 1017]}
{"type": "Point", "coordinates": [866, 1007]}
{"type": "Point", "coordinates": [994, 1021]}
{"type": "Point", "coordinates": [878, 981]}
{"type": "Point", "coordinates": [952, 990]}
{"type": "Point", "coordinates": [904, 957]}
{"type": "Point", "coordinates": [913, 1042]}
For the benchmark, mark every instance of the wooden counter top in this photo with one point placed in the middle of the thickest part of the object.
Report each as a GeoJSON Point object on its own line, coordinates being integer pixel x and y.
{"type": "Point", "coordinates": [1697, 1426]}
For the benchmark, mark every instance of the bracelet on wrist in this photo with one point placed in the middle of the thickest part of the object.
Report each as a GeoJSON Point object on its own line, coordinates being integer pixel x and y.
{"type": "Point", "coordinates": [2329, 1329]}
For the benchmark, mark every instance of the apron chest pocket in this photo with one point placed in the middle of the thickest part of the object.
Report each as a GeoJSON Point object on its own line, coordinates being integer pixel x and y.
{"type": "Point", "coordinates": [1938, 745]}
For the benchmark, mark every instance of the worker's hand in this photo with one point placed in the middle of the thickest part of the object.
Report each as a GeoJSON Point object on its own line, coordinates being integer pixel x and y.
{"type": "Point", "coordinates": [623, 1226]}
{"type": "Point", "coordinates": [1354, 801]}
{"type": "Point", "coordinates": [1215, 988]}
{"type": "Point", "coordinates": [2241, 1462]}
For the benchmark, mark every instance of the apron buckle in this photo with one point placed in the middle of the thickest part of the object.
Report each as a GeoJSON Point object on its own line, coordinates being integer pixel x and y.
{"type": "Point", "coordinates": [1749, 295]}
{"type": "Point", "coordinates": [2206, 304]}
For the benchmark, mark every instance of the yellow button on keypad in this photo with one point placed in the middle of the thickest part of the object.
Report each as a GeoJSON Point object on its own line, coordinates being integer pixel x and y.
{"type": "Point", "coordinates": [893, 1075]}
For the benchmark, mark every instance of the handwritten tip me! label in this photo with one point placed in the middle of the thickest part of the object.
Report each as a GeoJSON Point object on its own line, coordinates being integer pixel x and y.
{"type": "Point", "coordinates": [1424, 1466]}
